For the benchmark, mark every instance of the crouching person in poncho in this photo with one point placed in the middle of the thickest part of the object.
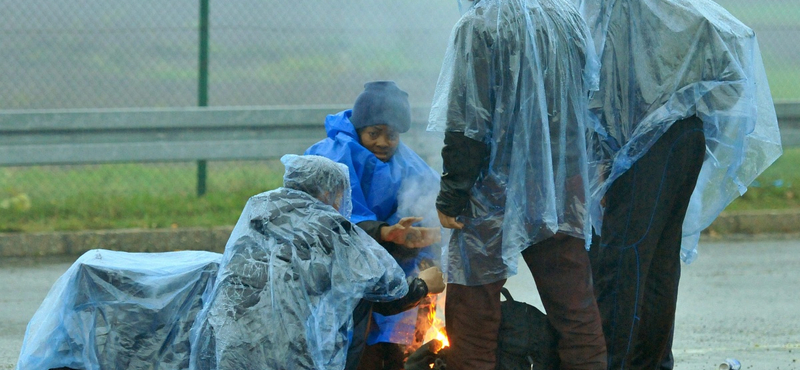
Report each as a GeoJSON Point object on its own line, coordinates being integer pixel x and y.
{"type": "Point", "coordinates": [293, 271]}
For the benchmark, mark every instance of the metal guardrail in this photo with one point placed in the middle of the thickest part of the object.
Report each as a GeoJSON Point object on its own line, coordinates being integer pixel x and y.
{"type": "Point", "coordinates": [204, 133]}
{"type": "Point", "coordinates": [145, 135]}
{"type": "Point", "coordinates": [789, 122]}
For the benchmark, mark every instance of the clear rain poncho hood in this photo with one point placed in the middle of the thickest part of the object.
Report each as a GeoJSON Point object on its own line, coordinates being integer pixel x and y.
{"type": "Point", "coordinates": [291, 275]}
{"type": "Point", "coordinates": [665, 60]}
{"type": "Point", "coordinates": [516, 76]}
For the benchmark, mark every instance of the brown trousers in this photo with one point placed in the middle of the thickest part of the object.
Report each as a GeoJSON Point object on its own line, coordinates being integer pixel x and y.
{"type": "Point", "coordinates": [563, 276]}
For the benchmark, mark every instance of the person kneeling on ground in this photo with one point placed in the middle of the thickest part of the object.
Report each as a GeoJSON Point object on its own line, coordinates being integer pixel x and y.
{"type": "Point", "coordinates": [292, 274]}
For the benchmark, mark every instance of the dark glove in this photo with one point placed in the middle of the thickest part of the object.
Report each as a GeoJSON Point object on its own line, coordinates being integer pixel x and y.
{"type": "Point", "coordinates": [426, 355]}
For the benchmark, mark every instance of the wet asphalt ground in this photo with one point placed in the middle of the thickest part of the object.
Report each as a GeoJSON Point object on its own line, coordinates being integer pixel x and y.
{"type": "Point", "coordinates": [740, 299]}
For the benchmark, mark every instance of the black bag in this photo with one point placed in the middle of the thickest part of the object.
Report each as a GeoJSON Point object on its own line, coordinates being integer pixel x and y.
{"type": "Point", "coordinates": [526, 340]}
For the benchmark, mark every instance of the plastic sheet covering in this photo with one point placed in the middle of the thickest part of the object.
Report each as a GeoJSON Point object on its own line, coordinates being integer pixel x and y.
{"type": "Point", "coordinates": [516, 75]}
{"type": "Point", "coordinates": [665, 60]}
{"type": "Point", "coordinates": [118, 310]}
{"type": "Point", "coordinates": [292, 273]}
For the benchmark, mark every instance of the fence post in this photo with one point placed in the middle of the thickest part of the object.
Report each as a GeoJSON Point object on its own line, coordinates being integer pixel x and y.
{"type": "Point", "coordinates": [202, 86]}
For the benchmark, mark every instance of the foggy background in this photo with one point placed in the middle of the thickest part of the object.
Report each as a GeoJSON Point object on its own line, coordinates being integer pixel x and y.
{"type": "Point", "coordinates": [101, 54]}
{"type": "Point", "coordinates": [144, 53]}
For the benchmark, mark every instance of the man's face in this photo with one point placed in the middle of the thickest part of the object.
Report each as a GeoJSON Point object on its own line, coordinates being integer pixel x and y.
{"type": "Point", "coordinates": [381, 140]}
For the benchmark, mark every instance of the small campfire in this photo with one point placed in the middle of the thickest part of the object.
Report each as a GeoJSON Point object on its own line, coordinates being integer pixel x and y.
{"type": "Point", "coordinates": [437, 332]}
{"type": "Point", "coordinates": [429, 354]}
{"type": "Point", "coordinates": [429, 323]}
{"type": "Point", "coordinates": [441, 336]}
{"type": "Point", "coordinates": [429, 337]}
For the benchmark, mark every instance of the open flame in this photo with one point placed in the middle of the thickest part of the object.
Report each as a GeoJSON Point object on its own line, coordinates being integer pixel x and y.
{"type": "Point", "coordinates": [440, 342]}
{"type": "Point", "coordinates": [437, 329]}
{"type": "Point", "coordinates": [441, 336]}
{"type": "Point", "coordinates": [430, 327]}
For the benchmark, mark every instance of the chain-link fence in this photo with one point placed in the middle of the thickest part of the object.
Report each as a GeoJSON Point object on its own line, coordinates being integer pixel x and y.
{"type": "Point", "coordinates": [145, 53]}
{"type": "Point", "coordinates": [777, 26]}
{"type": "Point", "coordinates": [108, 54]}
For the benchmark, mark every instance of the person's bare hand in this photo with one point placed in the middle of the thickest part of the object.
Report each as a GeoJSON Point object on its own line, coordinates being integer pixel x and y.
{"type": "Point", "coordinates": [420, 237]}
{"type": "Point", "coordinates": [434, 279]}
{"type": "Point", "coordinates": [404, 234]}
{"type": "Point", "coordinates": [449, 221]}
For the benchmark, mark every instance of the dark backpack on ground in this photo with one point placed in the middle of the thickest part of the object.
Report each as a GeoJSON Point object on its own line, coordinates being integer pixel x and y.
{"type": "Point", "coordinates": [526, 340]}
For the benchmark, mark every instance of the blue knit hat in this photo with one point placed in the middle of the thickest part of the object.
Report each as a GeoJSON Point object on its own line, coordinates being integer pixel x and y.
{"type": "Point", "coordinates": [382, 103]}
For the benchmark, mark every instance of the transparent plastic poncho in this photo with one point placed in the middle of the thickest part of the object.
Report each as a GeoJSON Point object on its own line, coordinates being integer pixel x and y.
{"type": "Point", "coordinates": [119, 310]}
{"type": "Point", "coordinates": [516, 76]}
{"type": "Point", "coordinates": [665, 60]}
{"type": "Point", "coordinates": [292, 273]}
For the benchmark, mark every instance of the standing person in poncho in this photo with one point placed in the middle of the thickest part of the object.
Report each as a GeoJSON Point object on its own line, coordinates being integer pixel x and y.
{"type": "Point", "coordinates": [392, 187]}
{"type": "Point", "coordinates": [512, 103]}
{"type": "Point", "coordinates": [683, 122]}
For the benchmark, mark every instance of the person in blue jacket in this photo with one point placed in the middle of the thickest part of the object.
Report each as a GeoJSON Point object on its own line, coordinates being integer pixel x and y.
{"type": "Point", "coordinates": [391, 187]}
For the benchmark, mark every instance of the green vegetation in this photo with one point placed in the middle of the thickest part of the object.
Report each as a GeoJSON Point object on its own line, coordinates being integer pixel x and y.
{"type": "Point", "coordinates": [776, 188]}
{"type": "Point", "coordinates": [163, 195]}
{"type": "Point", "coordinates": [128, 195]}
{"type": "Point", "coordinates": [757, 13]}
{"type": "Point", "coordinates": [775, 24]}
{"type": "Point", "coordinates": [784, 81]}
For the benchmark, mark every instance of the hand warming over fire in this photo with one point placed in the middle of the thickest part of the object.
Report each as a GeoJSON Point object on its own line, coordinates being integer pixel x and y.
{"type": "Point", "coordinates": [434, 279]}
{"type": "Point", "coordinates": [403, 233]}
